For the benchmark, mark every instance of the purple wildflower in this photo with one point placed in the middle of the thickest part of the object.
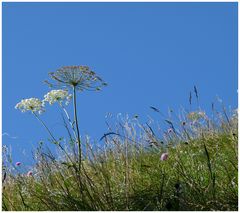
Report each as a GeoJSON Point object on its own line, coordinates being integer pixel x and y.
{"type": "Point", "coordinates": [164, 156]}
{"type": "Point", "coordinates": [30, 173]}
{"type": "Point", "coordinates": [18, 163]}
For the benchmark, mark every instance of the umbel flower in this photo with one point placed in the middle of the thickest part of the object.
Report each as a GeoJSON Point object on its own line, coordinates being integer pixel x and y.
{"type": "Point", "coordinates": [78, 77]}
{"type": "Point", "coordinates": [57, 96]}
{"type": "Point", "coordinates": [31, 104]}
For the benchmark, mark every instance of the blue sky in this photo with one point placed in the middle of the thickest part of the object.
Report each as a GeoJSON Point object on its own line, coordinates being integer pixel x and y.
{"type": "Point", "coordinates": [151, 54]}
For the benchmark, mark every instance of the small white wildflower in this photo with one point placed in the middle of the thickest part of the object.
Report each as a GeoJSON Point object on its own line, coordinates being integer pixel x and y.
{"type": "Point", "coordinates": [57, 96]}
{"type": "Point", "coordinates": [31, 104]}
{"type": "Point", "coordinates": [201, 114]}
{"type": "Point", "coordinates": [196, 115]}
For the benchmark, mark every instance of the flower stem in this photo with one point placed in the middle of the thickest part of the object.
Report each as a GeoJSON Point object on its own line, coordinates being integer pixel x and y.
{"type": "Point", "coordinates": [78, 137]}
{"type": "Point", "coordinates": [69, 120]}
{"type": "Point", "coordinates": [76, 124]}
{"type": "Point", "coordinates": [54, 139]}
{"type": "Point", "coordinates": [45, 126]}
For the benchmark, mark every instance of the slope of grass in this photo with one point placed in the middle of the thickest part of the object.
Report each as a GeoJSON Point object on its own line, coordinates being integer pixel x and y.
{"type": "Point", "coordinates": [126, 172]}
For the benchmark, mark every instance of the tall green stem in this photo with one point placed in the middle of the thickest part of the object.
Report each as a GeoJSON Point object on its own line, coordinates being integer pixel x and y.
{"type": "Point", "coordinates": [79, 141]}
{"type": "Point", "coordinates": [76, 124]}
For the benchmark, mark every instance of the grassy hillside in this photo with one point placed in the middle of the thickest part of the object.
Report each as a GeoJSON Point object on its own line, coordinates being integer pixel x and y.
{"type": "Point", "coordinates": [193, 165]}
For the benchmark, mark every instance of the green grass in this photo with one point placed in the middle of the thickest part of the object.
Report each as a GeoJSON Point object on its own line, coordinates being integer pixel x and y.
{"type": "Point", "coordinates": [125, 172]}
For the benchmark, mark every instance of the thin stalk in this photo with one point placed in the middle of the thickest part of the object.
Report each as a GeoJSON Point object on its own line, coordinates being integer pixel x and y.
{"type": "Point", "coordinates": [71, 139]}
{"type": "Point", "coordinates": [70, 122]}
{"type": "Point", "coordinates": [45, 126]}
{"type": "Point", "coordinates": [69, 119]}
{"type": "Point", "coordinates": [78, 175]}
{"type": "Point", "coordinates": [40, 120]}
{"type": "Point", "coordinates": [76, 124]}
{"type": "Point", "coordinates": [78, 138]}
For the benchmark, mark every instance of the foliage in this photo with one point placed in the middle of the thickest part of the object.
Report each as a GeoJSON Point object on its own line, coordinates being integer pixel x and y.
{"type": "Point", "coordinates": [133, 167]}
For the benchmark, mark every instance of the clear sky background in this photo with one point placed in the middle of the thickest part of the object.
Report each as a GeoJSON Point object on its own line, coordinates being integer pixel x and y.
{"type": "Point", "coordinates": [151, 54]}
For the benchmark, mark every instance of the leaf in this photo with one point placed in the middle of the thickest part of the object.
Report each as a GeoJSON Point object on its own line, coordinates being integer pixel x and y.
{"type": "Point", "coordinates": [155, 109]}
{"type": "Point", "coordinates": [110, 133]}
{"type": "Point", "coordinates": [190, 98]}
{"type": "Point", "coordinates": [196, 92]}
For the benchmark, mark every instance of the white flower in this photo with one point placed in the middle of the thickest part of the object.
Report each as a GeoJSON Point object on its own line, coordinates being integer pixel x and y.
{"type": "Point", "coordinates": [57, 96]}
{"type": "Point", "coordinates": [31, 104]}
{"type": "Point", "coordinates": [196, 115]}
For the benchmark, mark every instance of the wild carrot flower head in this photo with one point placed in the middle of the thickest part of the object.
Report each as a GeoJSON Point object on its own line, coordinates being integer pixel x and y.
{"type": "Point", "coordinates": [57, 96]}
{"type": "Point", "coordinates": [164, 156]}
{"type": "Point", "coordinates": [31, 104]}
{"type": "Point", "coordinates": [18, 163]}
{"type": "Point", "coordinates": [80, 77]}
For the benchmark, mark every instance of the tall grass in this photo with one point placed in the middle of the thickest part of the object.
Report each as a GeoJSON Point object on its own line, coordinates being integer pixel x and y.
{"type": "Point", "coordinates": [124, 170]}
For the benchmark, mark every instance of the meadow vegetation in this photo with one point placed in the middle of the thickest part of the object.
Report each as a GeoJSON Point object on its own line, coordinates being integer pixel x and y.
{"type": "Point", "coordinates": [192, 164]}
